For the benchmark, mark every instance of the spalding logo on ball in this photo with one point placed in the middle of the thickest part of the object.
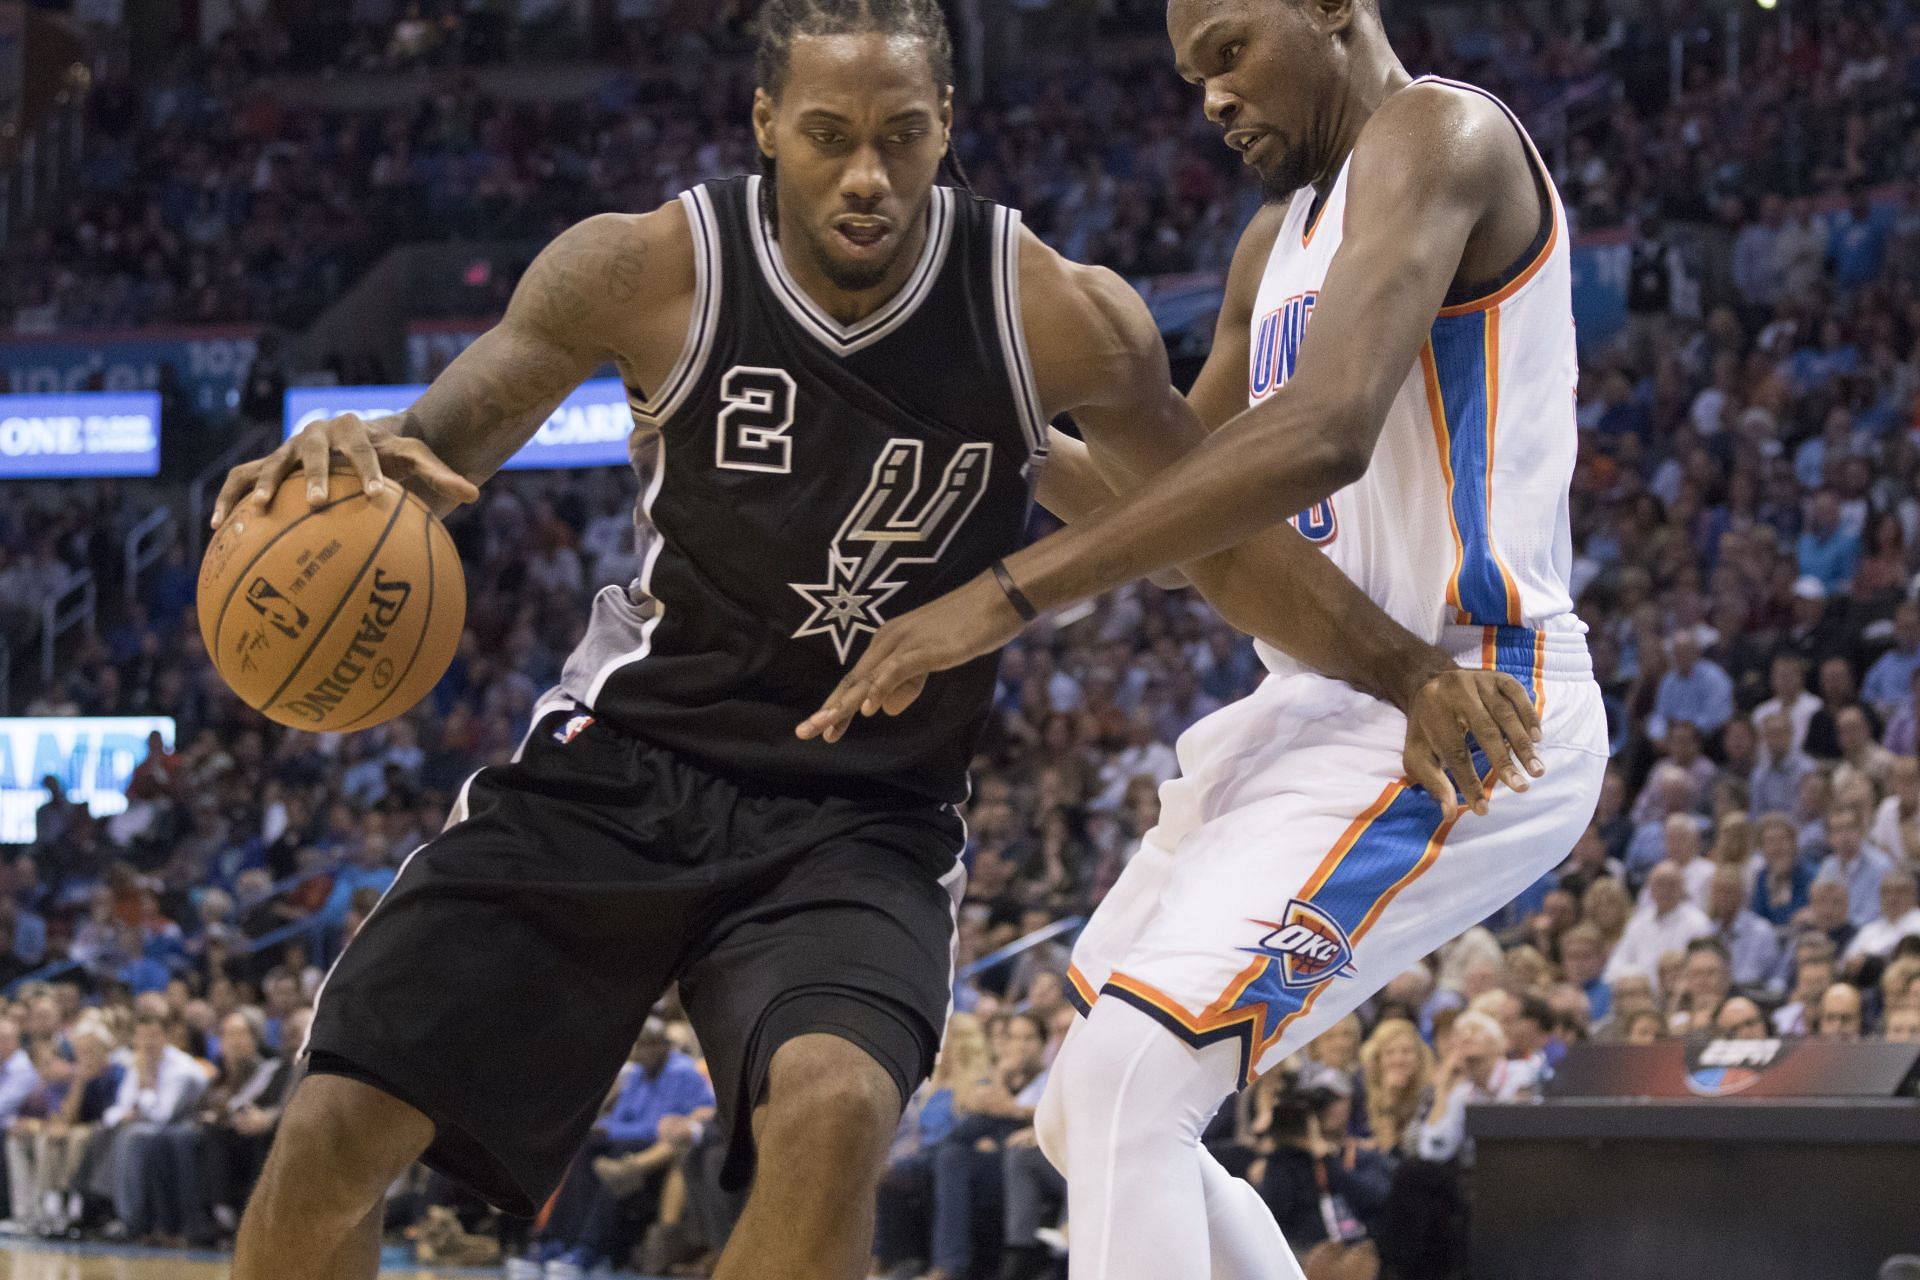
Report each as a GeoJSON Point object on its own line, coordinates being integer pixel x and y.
{"type": "Point", "coordinates": [336, 616]}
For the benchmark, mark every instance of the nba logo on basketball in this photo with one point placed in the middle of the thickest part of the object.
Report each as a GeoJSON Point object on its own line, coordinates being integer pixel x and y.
{"type": "Point", "coordinates": [1309, 944]}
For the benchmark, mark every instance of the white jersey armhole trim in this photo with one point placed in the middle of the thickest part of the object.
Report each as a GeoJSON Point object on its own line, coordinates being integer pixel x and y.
{"type": "Point", "coordinates": [1013, 333]}
{"type": "Point", "coordinates": [655, 409]}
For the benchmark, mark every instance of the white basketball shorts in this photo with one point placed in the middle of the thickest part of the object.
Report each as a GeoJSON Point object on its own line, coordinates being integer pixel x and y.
{"type": "Point", "coordinates": [1295, 871]}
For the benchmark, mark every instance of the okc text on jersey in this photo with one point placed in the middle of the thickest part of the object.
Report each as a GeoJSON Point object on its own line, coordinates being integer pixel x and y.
{"type": "Point", "coordinates": [1276, 343]}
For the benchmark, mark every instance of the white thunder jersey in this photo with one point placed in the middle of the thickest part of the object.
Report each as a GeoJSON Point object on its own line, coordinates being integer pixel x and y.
{"type": "Point", "coordinates": [1461, 519]}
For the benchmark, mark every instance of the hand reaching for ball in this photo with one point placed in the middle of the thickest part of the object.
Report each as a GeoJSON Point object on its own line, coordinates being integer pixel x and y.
{"type": "Point", "coordinates": [374, 452]}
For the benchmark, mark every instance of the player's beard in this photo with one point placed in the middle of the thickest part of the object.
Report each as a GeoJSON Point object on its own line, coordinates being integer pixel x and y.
{"type": "Point", "coordinates": [852, 277]}
{"type": "Point", "coordinates": [1292, 171]}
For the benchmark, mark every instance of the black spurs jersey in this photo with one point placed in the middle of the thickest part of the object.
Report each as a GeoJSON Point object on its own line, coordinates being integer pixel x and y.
{"type": "Point", "coordinates": [813, 481]}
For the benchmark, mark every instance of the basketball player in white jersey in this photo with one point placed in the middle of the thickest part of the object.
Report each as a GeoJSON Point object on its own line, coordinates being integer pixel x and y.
{"type": "Point", "coordinates": [1394, 371]}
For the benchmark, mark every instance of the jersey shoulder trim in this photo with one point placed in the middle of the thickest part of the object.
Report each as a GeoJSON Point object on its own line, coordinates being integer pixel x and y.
{"type": "Point", "coordinates": [1544, 245]}
{"type": "Point", "coordinates": [1013, 332]}
{"type": "Point", "coordinates": [836, 337]}
{"type": "Point", "coordinates": [653, 410]}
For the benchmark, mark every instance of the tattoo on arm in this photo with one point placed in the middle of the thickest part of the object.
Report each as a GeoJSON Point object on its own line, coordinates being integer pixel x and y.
{"type": "Point", "coordinates": [495, 395]}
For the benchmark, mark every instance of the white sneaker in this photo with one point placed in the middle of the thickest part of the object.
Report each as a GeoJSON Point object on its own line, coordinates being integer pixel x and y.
{"type": "Point", "coordinates": [561, 1269]}
{"type": "Point", "coordinates": [522, 1269]}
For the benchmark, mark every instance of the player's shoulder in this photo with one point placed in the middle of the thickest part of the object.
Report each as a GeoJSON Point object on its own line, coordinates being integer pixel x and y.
{"type": "Point", "coordinates": [608, 267]}
{"type": "Point", "coordinates": [1437, 135]}
{"type": "Point", "coordinates": [1061, 296]}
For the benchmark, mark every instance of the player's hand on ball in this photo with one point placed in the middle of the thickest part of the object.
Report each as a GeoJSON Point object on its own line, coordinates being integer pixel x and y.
{"type": "Point", "coordinates": [1494, 710]}
{"type": "Point", "coordinates": [958, 627]}
{"type": "Point", "coordinates": [373, 451]}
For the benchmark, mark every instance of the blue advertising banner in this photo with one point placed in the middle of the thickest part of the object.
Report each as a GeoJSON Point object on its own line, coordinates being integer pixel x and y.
{"type": "Point", "coordinates": [89, 433]}
{"type": "Point", "coordinates": [93, 756]}
{"type": "Point", "coordinates": [210, 362]}
{"type": "Point", "coordinates": [589, 429]}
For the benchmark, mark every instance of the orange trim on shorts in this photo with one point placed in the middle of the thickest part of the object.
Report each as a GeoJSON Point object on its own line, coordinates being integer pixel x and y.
{"type": "Point", "coordinates": [1349, 837]}
{"type": "Point", "coordinates": [1204, 1023]}
{"type": "Point", "coordinates": [1430, 856]}
{"type": "Point", "coordinates": [1540, 675]}
{"type": "Point", "coordinates": [1081, 985]}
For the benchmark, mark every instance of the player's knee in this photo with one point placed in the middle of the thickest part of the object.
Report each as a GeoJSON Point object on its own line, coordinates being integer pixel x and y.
{"type": "Point", "coordinates": [826, 1095]}
{"type": "Point", "coordinates": [1122, 1064]}
{"type": "Point", "coordinates": [341, 1143]}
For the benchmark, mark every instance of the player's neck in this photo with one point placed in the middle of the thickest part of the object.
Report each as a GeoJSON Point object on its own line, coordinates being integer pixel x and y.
{"type": "Point", "coordinates": [847, 306]}
{"type": "Point", "coordinates": [1377, 76]}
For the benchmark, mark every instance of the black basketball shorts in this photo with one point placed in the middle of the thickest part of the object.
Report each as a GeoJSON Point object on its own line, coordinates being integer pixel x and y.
{"type": "Point", "coordinates": [502, 980]}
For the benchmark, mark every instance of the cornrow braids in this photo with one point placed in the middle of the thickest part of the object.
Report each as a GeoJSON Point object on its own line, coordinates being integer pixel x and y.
{"type": "Point", "coordinates": [783, 21]}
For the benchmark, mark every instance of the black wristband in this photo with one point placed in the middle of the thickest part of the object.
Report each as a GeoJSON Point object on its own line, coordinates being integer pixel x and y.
{"type": "Point", "coordinates": [1015, 596]}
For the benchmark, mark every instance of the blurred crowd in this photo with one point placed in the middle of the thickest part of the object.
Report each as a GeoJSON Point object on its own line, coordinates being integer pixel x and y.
{"type": "Point", "coordinates": [1747, 540]}
{"type": "Point", "coordinates": [209, 193]}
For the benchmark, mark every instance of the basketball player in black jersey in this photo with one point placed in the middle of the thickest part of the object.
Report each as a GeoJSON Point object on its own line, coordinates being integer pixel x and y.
{"type": "Point", "coordinates": [844, 375]}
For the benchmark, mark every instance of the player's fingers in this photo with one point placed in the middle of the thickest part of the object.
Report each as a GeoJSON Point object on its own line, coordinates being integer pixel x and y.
{"type": "Point", "coordinates": [1516, 696]}
{"type": "Point", "coordinates": [425, 465]}
{"type": "Point", "coordinates": [315, 448]}
{"type": "Point", "coordinates": [1493, 743]}
{"type": "Point", "coordinates": [1513, 724]}
{"type": "Point", "coordinates": [844, 702]}
{"type": "Point", "coordinates": [1423, 769]}
{"type": "Point", "coordinates": [348, 437]}
{"type": "Point", "coordinates": [274, 468]}
{"type": "Point", "coordinates": [888, 674]}
{"type": "Point", "coordinates": [238, 481]}
{"type": "Point", "coordinates": [903, 696]}
{"type": "Point", "coordinates": [831, 719]}
{"type": "Point", "coordinates": [1458, 760]}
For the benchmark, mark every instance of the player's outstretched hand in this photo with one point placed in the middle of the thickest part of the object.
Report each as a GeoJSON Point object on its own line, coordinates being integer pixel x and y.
{"type": "Point", "coordinates": [1491, 707]}
{"type": "Point", "coordinates": [369, 447]}
{"type": "Point", "coordinates": [958, 627]}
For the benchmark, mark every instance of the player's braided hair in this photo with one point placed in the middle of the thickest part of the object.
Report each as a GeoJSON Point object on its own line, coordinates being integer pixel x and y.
{"type": "Point", "coordinates": [782, 21]}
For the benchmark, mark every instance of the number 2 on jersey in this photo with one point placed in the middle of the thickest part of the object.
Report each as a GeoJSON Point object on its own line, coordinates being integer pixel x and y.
{"type": "Point", "coordinates": [752, 434]}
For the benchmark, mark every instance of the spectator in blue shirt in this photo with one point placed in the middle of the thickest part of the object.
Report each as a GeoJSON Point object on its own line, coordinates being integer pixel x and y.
{"type": "Point", "coordinates": [1858, 248]}
{"type": "Point", "coordinates": [657, 1113]}
{"type": "Point", "coordinates": [1826, 550]}
{"type": "Point", "coordinates": [366, 868]}
{"type": "Point", "coordinates": [1854, 864]}
{"type": "Point", "coordinates": [1781, 888]}
{"type": "Point", "coordinates": [1889, 683]}
{"type": "Point", "coordinates": [1752, 947]}
{"type": "Point", "coordinates": [1694, 689]}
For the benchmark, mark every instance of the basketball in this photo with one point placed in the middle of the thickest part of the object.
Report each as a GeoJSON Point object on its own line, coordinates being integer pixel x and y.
{"type": "Point", "coordinates": [333, 617]}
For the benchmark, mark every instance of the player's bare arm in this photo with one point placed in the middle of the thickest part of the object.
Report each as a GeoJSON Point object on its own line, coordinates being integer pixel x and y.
{"type": "Point", "coordinates": [1431, 172]}
{"type": "Point", "coordinates": [1098, 355]}
{"type": "Point", "coordinates": [614, 287]}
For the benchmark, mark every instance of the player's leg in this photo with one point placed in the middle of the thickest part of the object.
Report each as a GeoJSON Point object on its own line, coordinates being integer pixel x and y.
{"type": "Point", "coordinates": [315, 1213]}
{"type": "Point", "coordinates": [484, 1007]}
{"type": "Point", "coordinates": [820, 1002]}
{"type": "Point", "coordinates": [822, 1136]}
{"type": "Point", "coordinates": [1243, 1240]}
{"type": "Point", "coordinates": [1323, 879]}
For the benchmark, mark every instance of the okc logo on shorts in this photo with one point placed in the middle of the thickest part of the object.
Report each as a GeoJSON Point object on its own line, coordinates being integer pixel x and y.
{"type": "Point", "coordinates": [1309, 944]}
{"type": "Point", "coordinates": [571, 729]}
